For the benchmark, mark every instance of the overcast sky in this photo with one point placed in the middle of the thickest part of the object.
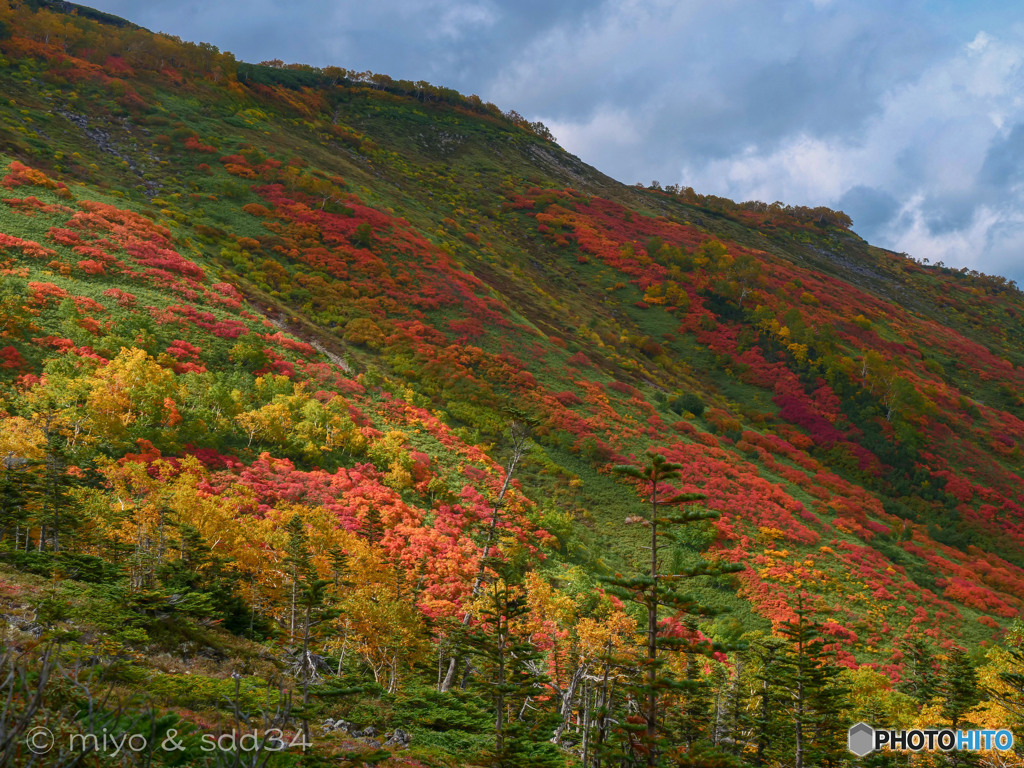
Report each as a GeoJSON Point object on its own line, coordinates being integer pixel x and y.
{"type": "Point", "coordinates": [908, 115]}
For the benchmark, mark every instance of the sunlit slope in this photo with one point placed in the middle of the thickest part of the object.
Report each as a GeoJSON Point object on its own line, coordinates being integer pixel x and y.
{"type": "Point", "coordinates": [299, 276]}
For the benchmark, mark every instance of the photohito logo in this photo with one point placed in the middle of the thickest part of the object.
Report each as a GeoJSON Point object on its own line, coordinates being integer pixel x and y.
{"type": "Point", "coordinates": [862, 739]}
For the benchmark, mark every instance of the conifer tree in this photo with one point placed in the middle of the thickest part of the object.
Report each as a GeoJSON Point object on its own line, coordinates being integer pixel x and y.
{"type": "Point", "coordinates": [695, 720]}
{"type": "Point", "coordinates": [958, 687]}
{"type": "Point", "coordinates": [653, 589]}
{"type": "Point", "coordinates": [519, 434]}
{"type": "Point", "coordinates": [199, 575]}
{"type": "Point", "coordinates": [919, 679]}
{"type": "Point", "coordinates": [309, 597]}
{"type": "Point", "coordinates": [1012, 676]}
{"type": "Point", "coordinates": [960, 693]}
{"type": "Point", "coordinates": [815, 695]}
{"type": "Point", "coordinates": [17, 489]}
{"type": "Point", "coordinates": [766, 700]}
{"type": "Point", "coordinates": [299, 564]}
{"type": "Point", "coordinates": [57, 516]}
{"type": "Point", "coordinates": [509, 676]}
{"type": "Point", "coordinates": [612, 664]}
{"type": "Point", "coordinates": [829, 698]}
{"type": "Point", "coordinates": [371, 527]}
{"type": "Point", "coordinates": [731, 705]}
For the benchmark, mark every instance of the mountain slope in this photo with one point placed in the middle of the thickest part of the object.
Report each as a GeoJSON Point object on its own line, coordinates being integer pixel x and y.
{"type": "Point", "coordinates": [236, 295]}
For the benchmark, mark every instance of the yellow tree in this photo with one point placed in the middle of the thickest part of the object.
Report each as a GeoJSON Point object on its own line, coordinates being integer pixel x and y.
{"type": "Point", "coordinates": [143, 522]}
{"type": "Point", "coordinates": [131, 394]}
{"type": "Point", "coordinates": [385, 625]}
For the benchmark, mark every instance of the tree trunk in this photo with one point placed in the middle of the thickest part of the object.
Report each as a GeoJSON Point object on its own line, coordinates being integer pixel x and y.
{"type": "Point", "coordinates": [518, 449]}
{"type": "Point", "coordinates": [307, 673]}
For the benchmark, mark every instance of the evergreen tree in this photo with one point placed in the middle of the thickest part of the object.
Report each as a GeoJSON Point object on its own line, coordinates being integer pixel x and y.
{"type": "Point", "coordinates": [197, 574]}
{"type": "Point", "coordinates": [960, 693]}
{"type": "Point", "coordinates": [816, 697]}
{"type": "Point", "coordinates": [731, 705]}
{"type": "Point", "coordinates": [299, 563]}
{"type": "Point", "coordinates": [519, 437]}
{"type": "Point", "coordinates": [57, 516]}
{"type": "Point", "coordinates": [829, 699]}
{"type": "Point", "coordinates": [696, 717]}
{"type": "Point", "coordinates": [959, 687]}
{"type": "Point", "coordinates": [919, 679]}
{"type": "Point", "coordinates": [510, 677]}
{"type": "Point", "coordinates": [371, 527]}
{"type": "Point", "coordinates": [18, 487]}
{"type": "Point", "coordinates": [309, 598]}
{"type": "Point", "coordinates": [766, 701]}
{"type": "Point", "coordinates": [602, 750]}
{"type": "Point", "coordinates": [1009, 696]}
{"type": "Point", "coordinates": [653, 590]}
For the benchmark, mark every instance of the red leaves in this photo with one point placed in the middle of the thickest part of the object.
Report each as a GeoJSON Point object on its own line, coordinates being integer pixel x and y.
{"type": "Point", "coordinates": [22, 175]}
{"type": "Point", "coordinates": [27, 247]}
{"type": "Point", "coordinates": [149, 254]}
{"type": "Point", "coordinates": [123, 298]}
{"type": "Point", "coordinates": [41, 293]}
{"type": "Point", "coordinates": [10, 358]}
{"type": "Point", "coordinates": [193, 144]}
{"type": "Point", "coordinates": [91, 267]}
{"type": "Point", "coordinates": [982, 599]}
{"type": "Point", "coordinates": [186, 316]}
{"type": "Point", "coordinates": [182, 350]}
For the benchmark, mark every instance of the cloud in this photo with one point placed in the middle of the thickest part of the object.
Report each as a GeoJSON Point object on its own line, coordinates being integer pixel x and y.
{"type": "Point", "coordinates": [943, 153]}
{"type": "Point", "coordinates": [605, 129]}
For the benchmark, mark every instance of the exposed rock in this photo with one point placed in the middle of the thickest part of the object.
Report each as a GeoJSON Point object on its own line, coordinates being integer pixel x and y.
{"type": "Point", "coordinates": [399, 739]}
{"type": "Point", "coordinates": [339, 725]}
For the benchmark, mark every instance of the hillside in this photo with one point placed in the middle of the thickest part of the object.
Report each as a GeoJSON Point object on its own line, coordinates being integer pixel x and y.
{"type": "Point", "coordinates": [272, 337]}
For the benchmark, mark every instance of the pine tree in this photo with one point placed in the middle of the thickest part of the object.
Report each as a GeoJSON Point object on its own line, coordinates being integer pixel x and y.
{"type": "Point", "coordinates": [299, 564]}
{"type": "Point", "coordinates": [829, 698]}
{"type": "Point", "coordinates": [816, 696]}
{"type": "Point", "coordinates": [519, 435]}
{"type": "Point", "coordinates": [731, 705]}
{"type": "Point", "coordinates": [695, 720]}
{"type": "Point", "coordinates": [510, 677]}
{"type": "Point", "coordinates": [199, 576]}
{"type": "Point", "coordinates": [919, 678]}
{"type": "Point", "coordinates": [653, 589]}
{"type": "Point", "coordinates": [309, 598]}
{"type": "Point", "coordinates": [18, 487]}
{"type": "Point", "coordinates": [371, 527]}
{"type": "Point", "coordinates": [609, 706]}
{"type": "Point", "coordinates": [1012, 677]}
{"type": "Point", "coordinates": [960, 693]}
{"type": "Point", "coordinates": [766, 701]}
{"type": "Point", "coordinates": [57, 516]}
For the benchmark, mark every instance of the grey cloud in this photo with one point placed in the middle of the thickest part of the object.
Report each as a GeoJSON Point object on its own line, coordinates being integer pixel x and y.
{"type": "Point", "coordinates": [458, 43]}
{"type": "Point", "coordinates": [1004, 163]}
{"type": "Point", "coordinates": [950, 213]}
{"type": "Point", "coordinates": [871, 209]}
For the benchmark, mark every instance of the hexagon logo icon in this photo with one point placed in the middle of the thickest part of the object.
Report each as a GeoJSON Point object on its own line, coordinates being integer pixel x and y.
{"type": "Point", "coordinates": [860, 739]}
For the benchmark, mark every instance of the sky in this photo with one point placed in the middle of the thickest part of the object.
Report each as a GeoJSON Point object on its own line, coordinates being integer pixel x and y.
{"type": "Point", "coordinates": [908, 116]}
